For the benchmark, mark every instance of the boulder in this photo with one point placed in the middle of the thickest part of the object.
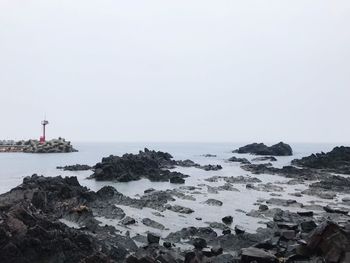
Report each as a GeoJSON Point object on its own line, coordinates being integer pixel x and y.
{"type": "Point", "coordinates": [213, 202]}
{"type": "Point", "coordinates": [153, 238]}
{"type": "Point", "coordinates": [128, 221]}
{"type": "Point", "coordinates": [227, 220]}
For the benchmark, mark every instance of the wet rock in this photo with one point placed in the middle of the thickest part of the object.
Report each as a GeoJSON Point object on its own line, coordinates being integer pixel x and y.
{"type": "Point", "coordinates": [190, 163]}
{"type": "Point", "coordinates": [265, 158]}
{"type": "Point", "coordinates": [226, 231]}
{"type": "Point", "coordinates": [177, 180]}
{"type": "Point", "coordinates": [227, 220]}
{"type": "Point", "coordinates": [151, 223]}
{"type": "Point", "coordinates": [224, 258]}
{"type": "Point", "coordinates": [213, 202]}
{"type": "Point", "coordinates": [329, 241]}
{"type": "Point", "coordinates": [211, 167]}
{"type": "Point", "coordinates": [279, 149]}
{"type": "Point", "coordinates": [34, 233]}
{"type": "Point", "coordinates": [263, 207]}
{"type": "Point", "coordinates": [216, 250]}
{"type": "Point", "coordinates": [321, 193]}
{"type": "Point", "coordinates": [179, 209]}
{"type": "Point", "coordinates": [149, 190]}
{"type": "Point", "coordinates": [284, 202]}
{"type": "Point", "coordinates": [128, 221]}
{"type": "Point", "coordinates": [337, 160]}
{"type": "Point", "coordinates": [332, 183]}
{"type": "Point", "coordinates": [227, 187]}
{"type": "Point", "coordinates": [190, 233]}
{"type": "Point", "coordinates": [239, 160]}
{"type": "Point", "coordinates": [153, 238]}
{"type": "Point", "coordinates": [209, 155]}
{"type": "Point", "coordinates": [167, 244]}
{"type": "Point", "coordinates": [242, 179]}
{"type": "Point", "coordinates": [252, 254]}
{"type": "Point", "coordinates": [286, 171]}
{"type": "Point", "coordinates": [346, 199]}
{"type": "Point", "coordinates": [217, 225]}
{"type": "Point", "coordinates": [146, 164]}
{"type": "Point", "coordinates": [288, 234]}
{"type": "Point", "coordinates": [337, 210]}
{"type": "Point", "coordinates": [199, 243]}
{"type": "Point", "coordinates": [239, 230]}
{"type": "Point", "coordinates": [268, 187]}
{"type": "Point", "coordinates": [306, 213]}
{"type": "Point", "coordinates": [76, 167]}
{"type": "Point", "coordinates": [308, 226]}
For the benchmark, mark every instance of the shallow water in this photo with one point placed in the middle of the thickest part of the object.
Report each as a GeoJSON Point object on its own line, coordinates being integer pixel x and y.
{"type": "Point", "coordinates": [15, 166]}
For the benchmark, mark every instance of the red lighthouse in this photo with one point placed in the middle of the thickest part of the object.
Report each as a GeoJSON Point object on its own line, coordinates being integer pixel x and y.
{"type": "Point", "coordinates": [43, 123]}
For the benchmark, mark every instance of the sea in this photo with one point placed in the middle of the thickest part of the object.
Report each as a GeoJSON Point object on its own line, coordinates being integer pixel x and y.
{"type": "Point", "coordinates": [15, 166]}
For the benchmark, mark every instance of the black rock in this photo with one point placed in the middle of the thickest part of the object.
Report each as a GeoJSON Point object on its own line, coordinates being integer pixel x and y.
{"type": "Point", "coordinates": [308, 226]}
{"type": "Point", "coordinates": [263, 207]}
{"type": "Point", "coordinates": [337, 160]}
{"type": "Point", "coordinates": [199, 243]}
{"type": "Point", "coordinates": [167, 244]}
{"type": "Point", "coordinates": [239, 160]}
{"type": "Point", "coordinates": [146, 164]}
{"type": "Point", "coordinates": [153, 238]}
{"type": "Point", "coordinates": [265, 158]}
{"type": "Point", "coordinates": [128, 221]}
{"type": "Point", "coordinates": [279, 149]}
{"type": "Point", "coordinates": [76, 167]}
{"type": "Point", "coordinates": [151, 223]}
{"type": "Point", "coordinates": [251, 254]}
{"type": "Point", "coordinates": [226, 231]}
{"type": "Point", "coordinates": [227, 220]}
{"type": "Point", "coordinates": [239, 230]}
{"type": "Point", "coordinates": [213, 202]}
{"type": "Point", "coordinates": [177, 180]}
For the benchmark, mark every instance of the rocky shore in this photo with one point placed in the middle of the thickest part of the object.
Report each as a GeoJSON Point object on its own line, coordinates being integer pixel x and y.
{"type": "Point", "coordinates": [59, 145]}
{"type": "Point", "coordinates": [49, 218]}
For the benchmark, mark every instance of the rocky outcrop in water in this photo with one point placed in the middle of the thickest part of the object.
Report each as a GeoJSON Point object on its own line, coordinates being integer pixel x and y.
{"type": "Point", "coordinates": [279, 149]}
{"type": "Point", "coordinates": [190, 163]}
{"type": "Point", "coordinates": [286, 171]}
{"type": "Point", "coordinates": [337, 160]}
{"type": "Point", "coordinates": [75, 167]}
{"type": "Point", "coordinates": [129, 167]}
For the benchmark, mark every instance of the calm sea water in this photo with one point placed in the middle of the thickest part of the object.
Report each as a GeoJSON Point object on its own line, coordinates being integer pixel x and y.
{"type": "Point", "coordinates": [15, 166]}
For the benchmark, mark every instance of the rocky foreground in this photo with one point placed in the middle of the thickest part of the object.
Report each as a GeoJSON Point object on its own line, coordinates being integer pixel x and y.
{"type": "Point", "coordinates": [59, 145]}
{"type": "Point", "coordinates": [31, 230]}
{"type": "Point", "coordinates": [55, 219]}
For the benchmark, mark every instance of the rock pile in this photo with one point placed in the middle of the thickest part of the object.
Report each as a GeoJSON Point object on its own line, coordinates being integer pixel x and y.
{"type": "Point", "coordinates": [59, 145]}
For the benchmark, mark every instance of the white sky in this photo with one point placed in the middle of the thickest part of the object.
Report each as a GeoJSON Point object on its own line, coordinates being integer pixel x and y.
{"type": "Point", "coordinates": [184, 70]}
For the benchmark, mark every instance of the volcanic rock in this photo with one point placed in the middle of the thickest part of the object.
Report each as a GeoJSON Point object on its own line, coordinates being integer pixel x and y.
{"type": "Point", "coordinates": [279, 149]}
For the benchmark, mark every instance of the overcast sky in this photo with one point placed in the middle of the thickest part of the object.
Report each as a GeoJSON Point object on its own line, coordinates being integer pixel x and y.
{"type": "Point", "coordinates": [157, 70]}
